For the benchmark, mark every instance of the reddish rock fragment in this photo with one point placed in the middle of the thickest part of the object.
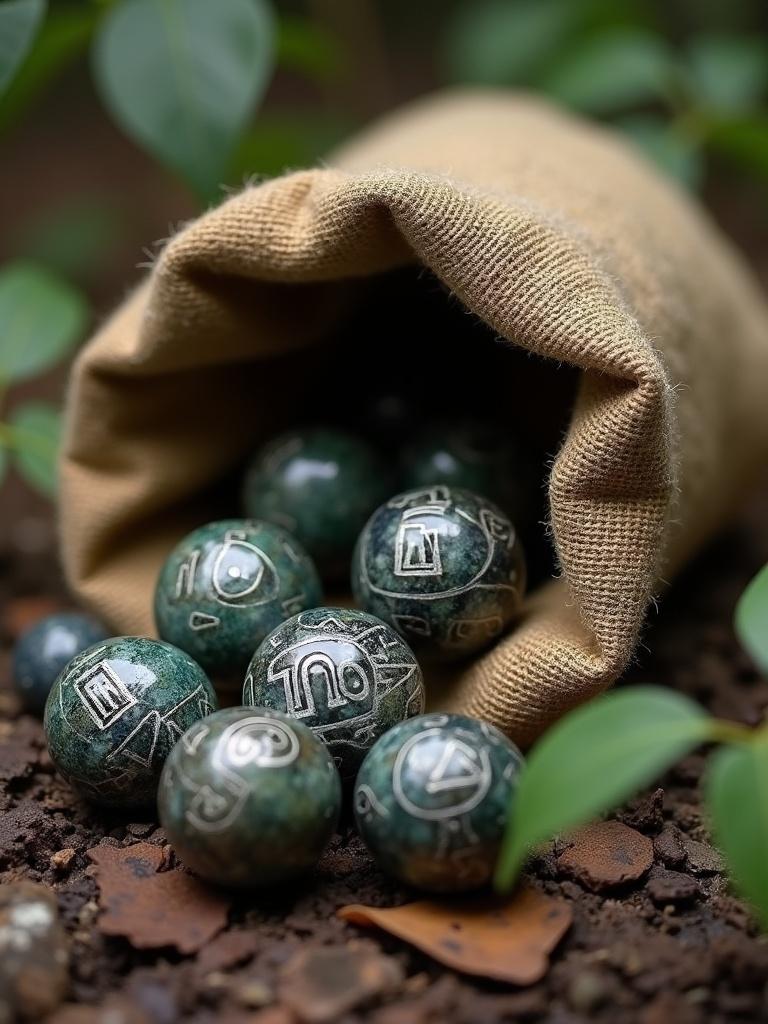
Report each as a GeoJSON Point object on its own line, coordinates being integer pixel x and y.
{"type": "Point", "coordinates": [702, 858]}
{"type": "Point", "coordinates": [606, 854]}
{"type": "Point", "coordinates": [668, 847]}
{"type": "Point", "coordinates": [323, 983]}
{"type": "Point", "coordinates": [152, 910]}
{"type": "Point", "coordinates": [228, 950]}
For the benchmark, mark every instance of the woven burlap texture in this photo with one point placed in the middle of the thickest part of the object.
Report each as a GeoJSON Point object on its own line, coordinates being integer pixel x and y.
{"type": "Point", "coordinates": [553, 231]}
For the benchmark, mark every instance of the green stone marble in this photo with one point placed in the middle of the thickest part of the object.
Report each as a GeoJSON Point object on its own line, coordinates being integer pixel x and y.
{"type": "Point", "coordinates": [227, 585]}
{"type": "Point", "coordinates": [116, 711]}
{"type": "Point", "coordinates": [476, 456]}
{"type": "Point", "coordinates": [45, 649]}
{"type": "Point", "coordinates": [249, 797]}
{"type": "Point", "coordinates": [432, 799]}
{"type": "Point", "coordinates": [321, 485]}
{"type": "Point", "coordinates": [444, 567]}
{"type": "Point", "coordinates": [347, 675]}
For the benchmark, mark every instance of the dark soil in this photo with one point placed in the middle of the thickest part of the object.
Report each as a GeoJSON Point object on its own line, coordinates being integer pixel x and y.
{"type": "Point", "coordinates": [674, 945]}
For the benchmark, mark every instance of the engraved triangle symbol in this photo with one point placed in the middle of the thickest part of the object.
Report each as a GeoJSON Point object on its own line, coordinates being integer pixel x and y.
{"type": "Point", "coordinates": [457, 768]}
{"type": "Point", "coordinates": [201, 620]}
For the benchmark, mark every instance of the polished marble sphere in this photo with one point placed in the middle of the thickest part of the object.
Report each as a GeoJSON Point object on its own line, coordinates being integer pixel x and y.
{"type": "Point", "coordinates": [320, 485]}
{"type": "Point", "coordinates": [43, 650]}
{"type": "Point", "coordinates": [116, 711]}
{"type": "Point", "coordinates": [347, 675]}
{"type": "Point", "coordinates": [229, 583]}
{"type": "Point", "coordinates": [444, 567]}
{"type": "Point", "coordinates": [432, 799]}
{"type": "Point", "coordinates": [249, 797]}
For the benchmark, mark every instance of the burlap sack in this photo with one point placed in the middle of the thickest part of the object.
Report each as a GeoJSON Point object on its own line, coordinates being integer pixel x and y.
{"type": "Point", "coordinates": [551, 230]}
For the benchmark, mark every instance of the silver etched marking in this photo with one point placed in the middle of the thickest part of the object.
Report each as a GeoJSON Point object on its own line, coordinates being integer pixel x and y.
{"type": "Point", "coordinates": [257, 740]}
{"type": "Point", "coordinates": [367, 803]}
{"type": "Point", "coordinates": [199, 621]}
{"type": "Point", "coordinates": [417, 543]}
{"type": "Point", "coordinates": [414, 624]}
{"type": "Point", "coordinates": [462, 771]}
{"type": "Point", "coordinates": [461, 630]}
{"type": "Point", "coordinates": [185, 578]}
{"type": "Point", "coordinates": [242, 573]}
{"type": "Point", "coordinates": [104, 695]}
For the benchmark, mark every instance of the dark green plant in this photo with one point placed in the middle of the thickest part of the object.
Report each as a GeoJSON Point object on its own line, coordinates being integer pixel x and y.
{"type": "Point", "coordinates": [681, 104]}
{"type": "Point", "coordinates": [601, 754]}
{"type": "Point", "coordinates": [42, 319]}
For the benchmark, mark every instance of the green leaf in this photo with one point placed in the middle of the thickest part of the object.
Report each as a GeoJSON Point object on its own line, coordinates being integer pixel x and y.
{"type": "Point", "coordinates": [41, 318]}
{"type": "Point", "coordinates": [36, 432]}
{"type": "Point", "coordinates": [182, 78]}
{"type": "Point", "coordinates": [3, 462]}
{"type": "Point", "coordinates": [612, 71]}
{"type": "Point", "coordinates": [501, 42]}
{"type": "Point", "coordinates": [19, 22]}
{"type": "Point", "coordinates": [286, 140]}
{"type": "Point", "coordinates": [743, 141]}
{"type": "Point", "coordinates": [737, 793]}
{"type": "Point", "coordinates": [593, 759]}
{"type": "Point", "coordinates": [306, 47]}
{"type": "Point", "coordinates": [63, 37]}
{"type": "Point", "coordinates": [680, 156]}
{"type": "Point", "coordinates": [751, 619]}
{"type": "Point", "coordinates": [728, 74]}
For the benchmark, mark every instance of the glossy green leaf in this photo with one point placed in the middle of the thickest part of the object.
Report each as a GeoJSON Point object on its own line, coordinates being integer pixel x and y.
{"type": "Point", "coordinates": [505, 41]}
{"type": "Point", "coordinates": [36, 433]}
{"type": "Point", "coordinates": [678, 155]}
{"type": "Point", "coordinates": [182, 78]}
{"type": "Point", "coordinates": [592, 760]}
{"type": "Point", "coordinates": [63, 37]}
{"type": "Point", "coordinates": [41, 318]}
{"type": "Point", "coordinates": [612, 71]}
{"type": "Point", "coordinates": [751, 619]}
{"type": "Point", "coordinates": [737, 792]}
{"type": "Point", "coordinates": [19, 22]}
{"type": "Point", "coordinates": [728, 74]}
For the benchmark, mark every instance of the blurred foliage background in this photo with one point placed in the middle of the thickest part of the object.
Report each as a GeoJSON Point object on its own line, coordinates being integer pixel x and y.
{"type": "Point", "coordinates": [119, 119]}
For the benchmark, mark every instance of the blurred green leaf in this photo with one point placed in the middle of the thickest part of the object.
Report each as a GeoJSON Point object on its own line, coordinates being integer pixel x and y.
{"type": "Point", "coordinates": [727, 74]}
{"type": "Point", "coordinates": [737, 791]}
{"type": "Point", "coordinates": [19, 22]}
{"type": "Point", "coordinates": [63, 36]}
{"type": "Point", "coordinates": [37, 429]}
{"type": "Point", "coordinates": [744, 141]}
{"type": "Point", "coordinates": [501, 42]}
{"type": "Point", "coordinates": [285, 141]}
{"type": "Point", "coordinates": [593, 759]}
{"type": "Point", "coordinates": [751, 619]}
{"type": "Point", "coordinates": [42, 317]}
{"type": "Point", "coordinates": [3, 462]}
{"type": "Point", "coordinates": [675, 153]}
{"type": "Point", "coordinates": [612, 71]}
{"type": "Point", "coordinates": [306, 47]}
{"type": "Point", "coordinates": [183, 78]}
{"type": "Point", "coordinates": [71, 239]}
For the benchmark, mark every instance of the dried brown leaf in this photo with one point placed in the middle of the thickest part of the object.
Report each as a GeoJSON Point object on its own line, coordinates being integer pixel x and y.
{"type": "Point", "coordinates": [509, 940]}
{"type": "Point", "coordinates": [152, 910]}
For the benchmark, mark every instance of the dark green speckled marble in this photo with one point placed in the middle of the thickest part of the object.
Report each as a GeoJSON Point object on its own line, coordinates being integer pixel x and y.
{"type": "Point", "coordinates": [443, 566]}
{"type": "Point", "coordinates": [227, 585]}
{"type": "Point", "coordinates": [320, 485]}
{"type": "Point", "coordinates": [475, 456]}
{"type": "Point", "coordinates": [347, 675]}
{"type": "Point", "coordinates": [432, 799]}
{"type": "Point", "coordinates": [116, 711]}
{"type": "Point", "coordinates": [249, 797]}
{"type": "Point", "coordinates": [44, 650]}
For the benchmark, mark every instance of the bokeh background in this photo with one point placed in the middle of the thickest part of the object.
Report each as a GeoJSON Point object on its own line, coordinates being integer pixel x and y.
{"type": "Point", "coordinates": [120, 119]}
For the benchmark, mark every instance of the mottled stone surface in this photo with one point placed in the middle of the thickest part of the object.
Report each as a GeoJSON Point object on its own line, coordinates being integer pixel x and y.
{"type": "Point", "coordinates": [227, 585]}
{"type": "Point", "coordinates": [34, 955]}
{"type": "Point", "coordinates": [116, 711]}
{"type": "Point", "coordinates": [321, 486]}
{"type": "Point", "coordinates": [43, 650]}
{"type": "Point", "coordinates": [432, 798]}
{"type": "Point", "coordinates": [443, 566]}
{"type": "Point", "coordinates": [476, 456]}
{"type": "Point", "coordinates": [347, 675]}
{"type": "Point", "coordinates": [249, 797]}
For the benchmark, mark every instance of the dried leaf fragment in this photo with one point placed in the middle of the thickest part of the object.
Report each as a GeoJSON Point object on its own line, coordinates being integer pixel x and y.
{"type": "Point", "coordinates": [506, 939]}
{"type": "Point", "coordinates": [152, 910]}
{"type": "Point", "coordinates": [606, 854]}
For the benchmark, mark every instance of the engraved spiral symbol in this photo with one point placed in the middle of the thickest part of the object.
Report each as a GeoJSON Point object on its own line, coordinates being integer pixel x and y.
{"type": "Point", "coordinates": [258, 740]}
